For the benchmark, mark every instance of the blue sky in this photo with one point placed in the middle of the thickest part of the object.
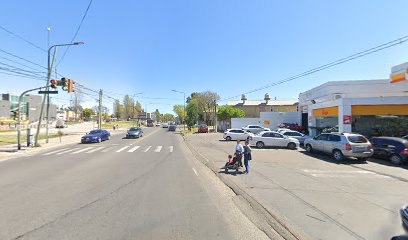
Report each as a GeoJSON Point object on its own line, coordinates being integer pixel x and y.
{"type": "Point", "coordinates": [225, 46]}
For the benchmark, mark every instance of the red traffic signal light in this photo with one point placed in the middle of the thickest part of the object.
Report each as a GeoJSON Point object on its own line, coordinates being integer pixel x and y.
{"type": "Point", "coordinates": [54, 83]}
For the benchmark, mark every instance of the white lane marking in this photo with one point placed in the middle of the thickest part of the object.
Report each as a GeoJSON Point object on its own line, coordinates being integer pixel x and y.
{"type": "Point", "coordinates": [134, 149]}
{"type": "Point", "coordinates": [82, 150]}
{"type": "Point", "coordinates": [107, 150]}
{"type": "Point", "coordinates": [120, 150]}
{"type": "Point", "coordinates": [96, 149]}
{"type": "Point", "coordinates": [195, 172]}
{"type": "Point", "coordinates": [158, 149]}
{"type": "Point", "coordinates": [59, 150]}
{"type": "Point", "coordinates": [147, 149]}
{"type": "Point", "coordinates": [67, 151]}
{"type": "Point", "coordinates": [171, 148]}
{"type": "Point", "coordinates": [337, 171]}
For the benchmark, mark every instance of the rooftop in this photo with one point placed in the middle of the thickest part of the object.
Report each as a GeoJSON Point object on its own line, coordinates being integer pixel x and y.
{"type": "Point", "coordinates": [263, 103]}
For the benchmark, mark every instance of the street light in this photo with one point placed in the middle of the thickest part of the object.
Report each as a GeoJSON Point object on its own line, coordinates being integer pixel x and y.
{"type": "Point", "coordinates": [184, 107]}
{"type": "Point", "coordinates": [50, 66]}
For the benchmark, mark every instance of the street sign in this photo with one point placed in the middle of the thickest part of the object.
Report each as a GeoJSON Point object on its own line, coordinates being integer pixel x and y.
{"type": "Point", "coordinates": [47, 92]}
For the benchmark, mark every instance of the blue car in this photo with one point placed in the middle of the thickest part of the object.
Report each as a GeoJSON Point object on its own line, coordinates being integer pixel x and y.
{"type": "Point", "coordinates": [96, 136]}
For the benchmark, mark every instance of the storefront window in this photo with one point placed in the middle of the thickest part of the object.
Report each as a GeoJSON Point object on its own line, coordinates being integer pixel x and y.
{"type": "Point", "coordinates": [389, 125]}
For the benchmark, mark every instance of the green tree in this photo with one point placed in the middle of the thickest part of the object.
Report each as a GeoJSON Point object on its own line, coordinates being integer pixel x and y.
{"type": "Point", "coordinates": [225, 113]}
{"type": "Point", "coordinates": [168, 117]}
{"type": "Point", "coordinates": [192, 110]}
{"type": "Point", "coordinates": [179, 111]}
{"type": "Point", "coordinates": [128, 106]}
{"type": "Point", "coordinates": [87, 113]}
{"type": "Point", "coordinates": [157, 115]}
{"type": "Point", "coordinates": [105, 117]}
{"type": "Point", "coordinates": [118, 109]}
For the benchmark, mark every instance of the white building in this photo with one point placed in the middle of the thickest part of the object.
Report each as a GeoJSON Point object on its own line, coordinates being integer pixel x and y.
{"type": "Point", "coordinates": [369, 107]}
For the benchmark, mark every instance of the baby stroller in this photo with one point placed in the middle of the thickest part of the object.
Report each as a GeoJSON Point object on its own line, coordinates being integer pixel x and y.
{"type": "Point", "coordinates": [232, 164]}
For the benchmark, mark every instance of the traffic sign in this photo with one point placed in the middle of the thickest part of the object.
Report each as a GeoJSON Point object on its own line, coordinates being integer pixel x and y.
{"type": "Point", "coordinates": [47, 92]}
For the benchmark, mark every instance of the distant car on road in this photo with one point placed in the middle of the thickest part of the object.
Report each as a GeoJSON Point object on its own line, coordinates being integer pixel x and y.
{"type": "Point", "coordinates": [149, 123]}
{"type": "Point", "coordinates": [295, 134]}
{"type": "Point", "coordinates": [165, 125]}
{"type": "Point", "coordinates": [172, 128]}
{"type": "Point", "coordinates": [134, 132]}
{"type": "Point", "coordinates": [202, 128]}
{"type": "Point", "coordinates": [236, 134]}
{"type": "Point", "coordinates": [61, 124]}
{"type": "Point", "coordinates": [390, 148]}
{"type": "Point", "coordinates": [340, 145]}
{"type": "Point", "coordinates": [255, 129]}
{"type": "Point", "coordinates": [95, 136]}
{"type": "Point", "coordinates": [157, 124]}
{"type": "Point", "coordinates": [273, 139]}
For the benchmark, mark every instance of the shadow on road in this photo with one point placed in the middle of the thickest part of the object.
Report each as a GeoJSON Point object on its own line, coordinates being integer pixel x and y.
{"type": "Point", "coordinates": [388, 163]}
{"type": "Point", "coordinates": [329, 159]}
{"type": "Point", "coordinates": [399, 238]}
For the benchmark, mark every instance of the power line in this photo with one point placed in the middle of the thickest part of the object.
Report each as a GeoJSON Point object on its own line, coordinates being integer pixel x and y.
{"type": "Point", "coordinates": [21, 38]}
{"type": "Point", "coordinates": [21, 58]}
{"type": "Point", "coordinates": [76, 32]}
{"type": "Point", "coordinates": [329, 65]}
{"type": "Point", "coordinates": [19, 63]}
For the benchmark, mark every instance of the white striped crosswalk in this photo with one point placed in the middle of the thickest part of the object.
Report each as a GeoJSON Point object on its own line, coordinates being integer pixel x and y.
{"type": "Point", "coordinates": [116, 149]}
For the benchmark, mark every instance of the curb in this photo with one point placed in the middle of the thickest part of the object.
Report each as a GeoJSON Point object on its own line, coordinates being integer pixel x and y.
{"type": "Point", "coordinates": [273, 219]}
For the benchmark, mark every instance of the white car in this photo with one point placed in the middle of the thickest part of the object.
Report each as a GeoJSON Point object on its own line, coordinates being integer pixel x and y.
{"type": "Point", "coordinates": [165, 125]}
{"type": "Point", "coordinates": [236, 134]}
{"type": "Point", "coordinates": [255, 128]}
{"type": "Point", "coordinates": [273, 139]}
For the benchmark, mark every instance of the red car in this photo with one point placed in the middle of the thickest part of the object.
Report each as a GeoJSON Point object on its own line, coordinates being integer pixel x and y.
{"type": "Point", "coordinates": [202, 128]}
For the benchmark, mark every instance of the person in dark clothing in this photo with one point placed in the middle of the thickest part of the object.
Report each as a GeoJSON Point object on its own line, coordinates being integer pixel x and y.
{"type": "Point", "coordinates": [247, 156]}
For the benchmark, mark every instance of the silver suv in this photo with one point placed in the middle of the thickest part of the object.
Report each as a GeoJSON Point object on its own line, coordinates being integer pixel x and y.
{"type": "Point", "coordinates": [341, 145]}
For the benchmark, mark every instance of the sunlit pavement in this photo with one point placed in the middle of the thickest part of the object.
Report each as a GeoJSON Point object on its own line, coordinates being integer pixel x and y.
{"type": "Point", "coordinates": [325, 199]}
{"type": "Point", "coordinates": [147, 188]}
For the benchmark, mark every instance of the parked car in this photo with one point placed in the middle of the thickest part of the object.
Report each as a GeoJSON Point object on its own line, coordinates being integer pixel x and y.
{"type": "Point", "coordinates": [255, 129]}
{"type": "Point", "coordinates": [165, 125]}
{"type": "Point", "coordinates": [340, 145]}
{"type": "Point", "coordinates": [390, 148]}
{"type": "Point", "coordinates": [404, 217]}
{"type": "Point", "coordinates": [236, 134]}
{"type": "Point", "coordinates": [96, 136]}
{"type": "Point", "coordinates": [295, 134]}
{"type": "Point", "coordinates": [157, 124]}
{"type": "Point", "coordinates": [202, 128]}
{"type": "Point", "coordinates": [172, 128]}
{"type": "Point", "coordinates": [273, 139]}
{"type": "Point", "coordinates": [134, 132]}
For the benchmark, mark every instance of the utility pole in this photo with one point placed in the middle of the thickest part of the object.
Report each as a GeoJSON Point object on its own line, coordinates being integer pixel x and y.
{"type": "Point", "coordinates": [100, 109]}
{"type": "Point", "coordinates": [50, 66]}
{"type": "Point", "coordinates": [215, 115]}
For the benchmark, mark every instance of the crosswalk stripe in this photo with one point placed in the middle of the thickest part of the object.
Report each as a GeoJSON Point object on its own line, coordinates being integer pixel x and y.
{"type": "Point", "coordinates": [134, 149]}
{"type": "Point", "coordinates": [147, 149]}
{"type": "Point", "coordinates": [171, 148]}
{"type": "Point", "coordinates": [67, 151]}
{"type": "Point", "coordinates": [107, 149]}
{"type": "Point", "coordinates": [120, 150]}
{"type": "Point", "coordinates": [158, 149]}
{"type": "Point", "coordinates": [59, 150]}
{"type": "Point", "coordinates": [82, 150]}
{"type": "Point", "coordinates": [95, 149]}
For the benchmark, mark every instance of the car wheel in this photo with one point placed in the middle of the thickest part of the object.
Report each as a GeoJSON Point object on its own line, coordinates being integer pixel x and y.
{"type": "Point", "coordinates": [309, 148]}
{"type": "Point", "coordinates": [396, 159]}
{"type": "Point", "coordinates": [338, 156]}
{"type": "Point", "coordinates": [228, 138]}
{"type": "Point", "coordinates": [260, 144]}
{"type": "Point", "coordinates": [292, 146]}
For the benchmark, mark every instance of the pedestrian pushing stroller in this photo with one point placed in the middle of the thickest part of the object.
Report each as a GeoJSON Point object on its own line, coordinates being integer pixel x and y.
{"type": "Point", "coordinates": [232, 164]}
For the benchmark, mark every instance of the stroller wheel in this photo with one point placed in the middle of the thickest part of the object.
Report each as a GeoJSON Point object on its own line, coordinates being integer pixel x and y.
{"type": "Point", "coordinates": [226, 170]}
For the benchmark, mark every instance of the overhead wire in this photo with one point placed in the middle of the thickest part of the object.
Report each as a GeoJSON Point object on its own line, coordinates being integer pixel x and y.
{"type": "Point", "coordinates": [329, 65]}
{"type": "Point", "coordinates": [76, 32]}
{"type": "Point", "coordinates": [23, 39]}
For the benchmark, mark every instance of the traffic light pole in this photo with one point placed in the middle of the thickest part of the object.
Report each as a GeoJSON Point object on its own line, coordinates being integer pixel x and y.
{"type": "Point", "coordinates": [100, 109]}
{"type": "Point", "coordinates": [50, 66]}
{"type": "Point", "coordinates": [19, 116]}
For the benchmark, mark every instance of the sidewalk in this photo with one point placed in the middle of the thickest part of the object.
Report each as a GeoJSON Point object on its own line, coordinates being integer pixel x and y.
{"type": "Point", "coordinates": [10, 151]}
{"type": "Point", "coordinates": [312, 195]}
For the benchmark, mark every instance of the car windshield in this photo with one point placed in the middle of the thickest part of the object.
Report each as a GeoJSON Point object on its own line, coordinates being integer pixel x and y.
{"type": "Point", "coordinates": [95, 132]}
{"type": "Point", "coordinates": [134, 129]}
{"type": "Point", "coordinates": [357, 139]}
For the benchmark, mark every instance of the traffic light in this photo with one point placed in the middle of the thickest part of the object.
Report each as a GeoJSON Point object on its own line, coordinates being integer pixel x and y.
{"type": "Point", "coordinates": [71, 86]}
{"type": "Point", "coordinates": [64, 84]}
{"type": "Point", "coordinates": [54, 83]}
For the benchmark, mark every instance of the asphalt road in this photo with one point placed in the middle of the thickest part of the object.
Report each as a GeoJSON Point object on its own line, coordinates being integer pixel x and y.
{"type": "Point", "coordinates": [148, 188]}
